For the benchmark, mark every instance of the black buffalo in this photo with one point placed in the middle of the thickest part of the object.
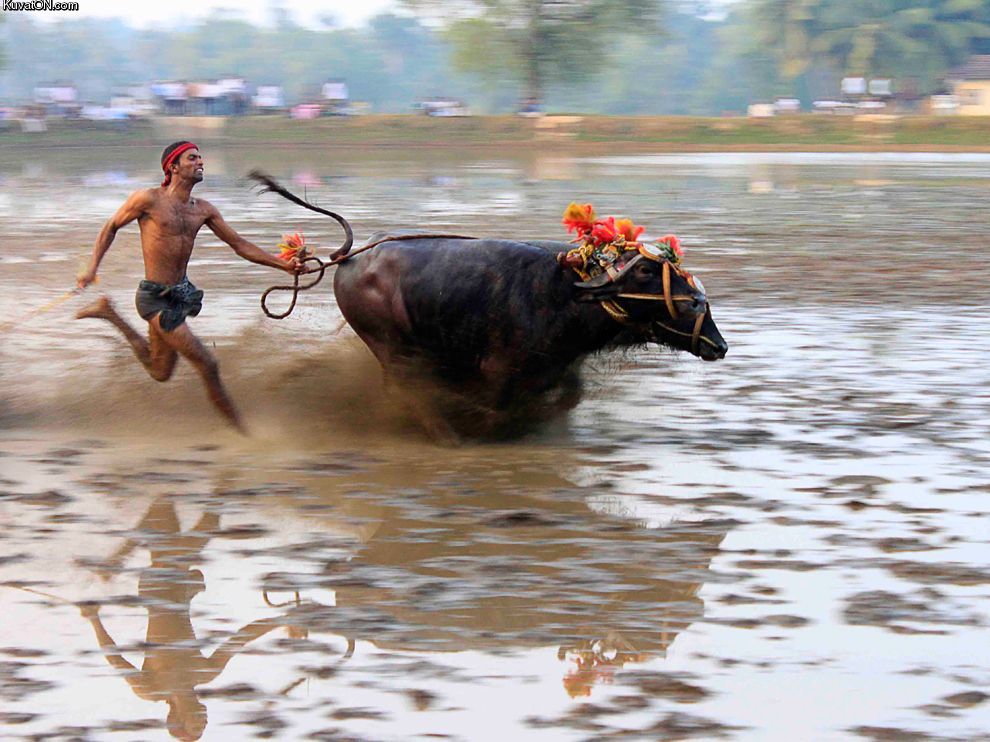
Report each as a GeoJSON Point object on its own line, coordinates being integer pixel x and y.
{"type": "Point", "coordinates": [496, 329]}
{"type": "Point", "coordinates": [501, 326]}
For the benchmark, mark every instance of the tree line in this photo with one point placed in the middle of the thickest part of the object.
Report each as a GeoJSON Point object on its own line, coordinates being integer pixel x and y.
{"type": "Point", "coordinates": [595, 56]}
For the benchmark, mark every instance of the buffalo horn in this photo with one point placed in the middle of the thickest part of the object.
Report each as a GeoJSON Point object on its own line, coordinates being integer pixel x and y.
{"type": "Point", "coordinates": [603, 278]}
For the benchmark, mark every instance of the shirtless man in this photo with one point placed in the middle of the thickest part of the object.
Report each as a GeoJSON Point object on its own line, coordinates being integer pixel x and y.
{"type": "Point", "coordinates": [169, 219]}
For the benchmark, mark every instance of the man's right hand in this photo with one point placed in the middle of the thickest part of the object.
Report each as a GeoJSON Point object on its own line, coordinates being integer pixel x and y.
{"type": "Point", "coordinates": [297, 267]}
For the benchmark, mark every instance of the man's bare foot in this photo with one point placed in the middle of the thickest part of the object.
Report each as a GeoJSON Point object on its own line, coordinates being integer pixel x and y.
{"type": "Point", "coordinates": [100, 309]}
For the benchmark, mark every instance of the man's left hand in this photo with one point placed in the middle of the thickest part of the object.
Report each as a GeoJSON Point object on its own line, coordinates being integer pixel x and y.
{"type": "Point", "coordinates": [297, 267]}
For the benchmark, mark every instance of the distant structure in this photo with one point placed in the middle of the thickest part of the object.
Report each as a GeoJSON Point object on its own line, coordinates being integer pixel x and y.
{"type": "Point", "coordinates": [57, 98]}
{"type": "Point", "coordinates": [173, 97]}
{"type": "Point", "coordinates": [442, 107]}
{"type": "Point", "coordinates": [269, 99]}
{"type": "Point", "coordinates": [970, 84]}
{"type": "Point", "coordinates": [234, 95]}
{"type": "Point", "coordinates": [336, 96]}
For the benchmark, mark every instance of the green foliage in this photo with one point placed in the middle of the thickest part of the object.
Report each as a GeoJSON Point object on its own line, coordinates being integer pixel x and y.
{"type": "Point", "coordinates": [897, 38]}
{"type": "Point", "coordinates": [537, 42]}
{"type": "Point", "coordinates": [593, 56]}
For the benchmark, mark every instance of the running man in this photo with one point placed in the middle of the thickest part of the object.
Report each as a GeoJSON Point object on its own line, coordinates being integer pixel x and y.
{"type": "Point", "coordinates": [169, 219]}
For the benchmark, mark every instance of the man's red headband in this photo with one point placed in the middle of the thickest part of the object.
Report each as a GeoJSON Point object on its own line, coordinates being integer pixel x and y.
{"type": "Point", "coordinates": [175, 154]}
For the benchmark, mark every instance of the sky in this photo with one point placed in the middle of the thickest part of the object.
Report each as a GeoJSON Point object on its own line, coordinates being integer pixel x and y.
{"type": "Point", "coordinates": [306, 12]}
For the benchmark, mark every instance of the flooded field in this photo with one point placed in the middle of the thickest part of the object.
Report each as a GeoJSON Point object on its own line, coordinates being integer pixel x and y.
{"type": "Point", "coordinates": [791, 543]}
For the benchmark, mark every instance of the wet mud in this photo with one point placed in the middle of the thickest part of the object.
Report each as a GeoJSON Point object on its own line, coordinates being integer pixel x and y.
{"type": "Point", "coordinates": [788, 544]}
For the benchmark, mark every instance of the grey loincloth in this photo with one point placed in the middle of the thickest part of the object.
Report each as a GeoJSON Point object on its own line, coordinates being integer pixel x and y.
{"type": "Point", "coordinates": [174, 303]}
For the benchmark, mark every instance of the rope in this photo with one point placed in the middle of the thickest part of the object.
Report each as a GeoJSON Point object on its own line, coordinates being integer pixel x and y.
{"type": "Point", "coordinates": [47, 596]}
{"type": "Point", "coordinates": [336, 259]}
{"type": "Point", "coordinates": [671, 309]}
{"type": "Point", "coordinates": [342, 253]}
{"type": "Point", "coordinates": [43, 308]}
{"type": "Point", "coordinates": [696, 337]}
{"type": "Point", "coordinates": [295, 288]}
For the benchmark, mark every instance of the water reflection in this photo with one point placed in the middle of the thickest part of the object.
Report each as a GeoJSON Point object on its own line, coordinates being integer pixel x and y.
{"type": "Point", "coordinates": [174, 662]}
{"type": "Point", "coordinates": [486, 556]}
{"type": "Point", "coordinates": [427, 555]}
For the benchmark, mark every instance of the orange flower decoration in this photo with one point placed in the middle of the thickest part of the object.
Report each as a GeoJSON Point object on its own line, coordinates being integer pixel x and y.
{"type": "Point", "coordinates": [579, 218]}
{"type": "Point", "coordinates": [628, 230]}
{"type": "Point", "coordinates": [292, 246]}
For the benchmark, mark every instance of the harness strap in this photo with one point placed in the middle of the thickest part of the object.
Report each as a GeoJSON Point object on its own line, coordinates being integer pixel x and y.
{"type": "Point", "coordinates": [616, 312]}
{"type": "Point", "coordinates": [671, 308]}
{"type": "Point", "coordinates": [655, 297]}
{"type": "Point", "coordinates": [696, 334]}
{"type": "Point", "coordinates": [621, 316]}
{"type": "Point", "coordinates": [696, 337]}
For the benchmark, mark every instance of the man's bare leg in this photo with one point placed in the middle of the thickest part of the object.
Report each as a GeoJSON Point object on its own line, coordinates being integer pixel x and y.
{"type": "Point", "coordinates": [157, 357]}
{"type": "Point", "coordinates": [182, 340]}
{"type": "Point", "coordinates": [159, 354]}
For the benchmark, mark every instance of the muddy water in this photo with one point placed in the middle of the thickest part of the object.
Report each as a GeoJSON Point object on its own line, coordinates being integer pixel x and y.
{"type": "Point", "coordinates": [788, 544]}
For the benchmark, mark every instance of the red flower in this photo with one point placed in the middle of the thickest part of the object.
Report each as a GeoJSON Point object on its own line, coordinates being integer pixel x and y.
{"type": "Point", "coordinates": [604, 232]}
{"type": "Point", "coordinates": [674, 243]}
{"type": "Point", "coordinates": [628, 230]}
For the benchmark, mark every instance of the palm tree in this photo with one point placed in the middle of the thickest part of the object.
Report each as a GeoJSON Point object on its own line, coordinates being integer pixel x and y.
{"type": "Point", "coordinates": [897, 38]}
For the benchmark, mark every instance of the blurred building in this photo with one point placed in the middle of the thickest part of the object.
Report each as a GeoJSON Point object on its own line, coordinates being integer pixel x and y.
{"type": "Point", "coordinates": [335, 95]}
{"type": "Point", "coordinates": [233, 95]}
{"type": "Point", "coordinates": [442, 107]}
{"type": "Point", "coordinates": [269, 99]}
{"type": "Point", "coordinates": [57, 98]}
{"type": "Point", "coordinates": [970, 84]}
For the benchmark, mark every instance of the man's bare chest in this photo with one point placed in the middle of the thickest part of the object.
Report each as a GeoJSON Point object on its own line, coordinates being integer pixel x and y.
{"type": "Point", "coordinates": [176, 220]}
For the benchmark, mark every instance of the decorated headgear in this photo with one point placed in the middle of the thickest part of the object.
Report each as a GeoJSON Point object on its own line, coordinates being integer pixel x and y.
{"type": "Point", "coordinates": [602, 242]}
{"type": "Point", "coordinates": [169, 158]}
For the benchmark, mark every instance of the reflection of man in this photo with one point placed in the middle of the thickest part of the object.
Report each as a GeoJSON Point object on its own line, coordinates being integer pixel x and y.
{"type": "Point", "coordinates": [174, 664]}
{"type": "Point", "coordinates": [169, 219]}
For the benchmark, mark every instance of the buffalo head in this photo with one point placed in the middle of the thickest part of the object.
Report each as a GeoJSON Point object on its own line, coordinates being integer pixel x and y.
{"type": "Point", "coordinates": [659, 301]}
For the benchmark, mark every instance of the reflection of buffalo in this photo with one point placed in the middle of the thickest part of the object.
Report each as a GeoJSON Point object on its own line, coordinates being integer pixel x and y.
{"type": "Point", "coordinates": [479, 561]}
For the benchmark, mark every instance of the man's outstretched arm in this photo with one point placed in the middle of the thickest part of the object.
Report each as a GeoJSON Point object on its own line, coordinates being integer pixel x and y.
{"type": "Point", "coordinates": [91, 611]}
{"type": "Point", "coordinates": [133, 207]}
{"type": "Point", "coordinates": [217, 661]}
{"type": "Point", "coordinates": [248, 250]}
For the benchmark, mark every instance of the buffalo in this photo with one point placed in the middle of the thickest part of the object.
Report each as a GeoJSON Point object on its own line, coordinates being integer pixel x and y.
{"type": "Point", "coordinates": [501, 326]}
{"type": "Point", "coordinates": [486, 336]}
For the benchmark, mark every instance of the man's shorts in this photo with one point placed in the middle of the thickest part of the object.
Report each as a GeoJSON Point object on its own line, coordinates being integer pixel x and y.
{"type": "Point", "coordinates": [173, 303]}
